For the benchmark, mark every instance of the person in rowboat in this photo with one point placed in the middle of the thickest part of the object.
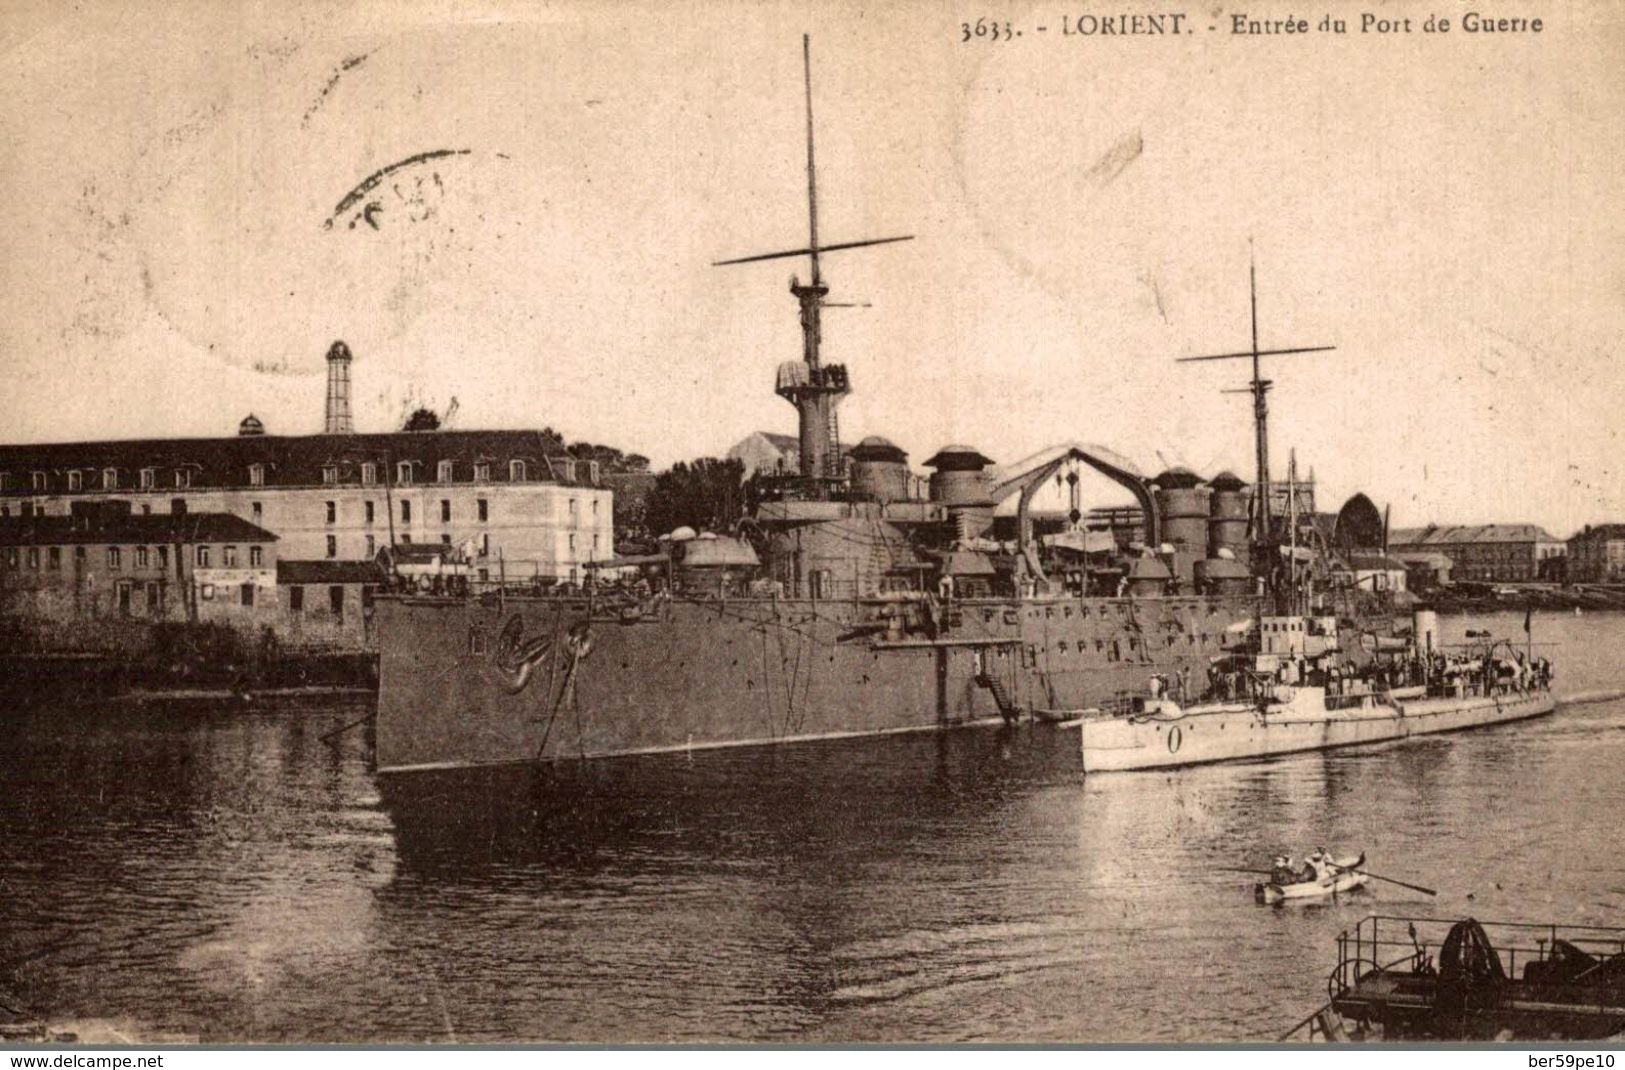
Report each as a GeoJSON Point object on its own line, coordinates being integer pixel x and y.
{"type": "Point", "coordinates": [1283, 873]}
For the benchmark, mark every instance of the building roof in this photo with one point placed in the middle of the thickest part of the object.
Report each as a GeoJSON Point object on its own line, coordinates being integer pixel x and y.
{"type": "Point", "coordinates": [329, 572]}
{"type": "Point", "coordinates": [114, 528]}
{"type": "Point", "coordinates": [1600, 533]}
{"type": "Point", "coordinates": [1444, 535]}
{"type": "Point", "coordinates": [296, 460]}
{"type": "Point", "coordinates": [1375, 563]}
{"type": "Point", "coordinates": [1430, 560]}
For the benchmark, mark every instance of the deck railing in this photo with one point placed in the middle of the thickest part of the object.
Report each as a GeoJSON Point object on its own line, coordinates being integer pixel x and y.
{"type": "Point", "coordinates": [1387, 942]}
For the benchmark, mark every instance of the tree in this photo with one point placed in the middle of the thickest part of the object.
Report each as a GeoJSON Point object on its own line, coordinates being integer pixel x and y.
{"type": "Point", "coordinates": [424, 419]}
{"type": "Point", "coordinates": [702, 494]}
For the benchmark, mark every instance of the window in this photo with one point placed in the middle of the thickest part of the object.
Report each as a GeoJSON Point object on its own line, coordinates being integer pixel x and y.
{"type": "Point", "coordinates": [369, 473]}
{"type": "Point", "coordinates": [258, 511]}
{"type": "Point", "coordinates": [163, 557]}
{"type": "Point", "coordinates": [403, 473]}
{"type": "Point", "coordinates": [5, 482]}
{"type": "Point", "coordinates": [142, 557]}
{"type": "Point", "coordinates": [369, 511]}
{"type": "Point", "coordinates": [256, 556]}
{"type": "Point", "coordinates": [37, 480]}
{"type": "Point", "coordinates": [228, 557]}
{"type": "Point", "coordinates": [332, 512]}
{"type": "Point", "coordinates": [485, 509]}
{"type": "Point", "coordinates": [149, 478]}
{"type": "Point", "coordinates": [406, 538]}
{"type": "Point", "coordinates": [248, 594]}
{"type": "Point", "coordinates": [5, 510]}
{"type": "Point", "coordinates": [296, 599]}
{"type": "Point", "coordinates": [516, 471]}
{"type": "Point", "coordinates": [372, 550]}
{"type": "Point", "coordinates": [183, 478]}
{"type": "Point", "coordinates": [256, 475]}
{"type": "Point", "coordinates": [76, 480]}
{"type": "Point", "coordinates": [33, 558]}
{"type": "Point", "coordinates": [592, 471]}
{"type": "Point", "coordinates": [572, 545]}
{"type": "Point", "coordinates": [110, 479]}
{"type": "Point", "coordinates": [595, 507]}
{"type": "Point", "coordinates": [482, 472]}
{"type": "Point", "coordinates": [202, 557]}
{"type": "Point", "coordinates": [445, 540]}
{"type": "Point", "coordinates": [572, 507]}
{"type": "Point", "coordinates": [115, 558]}
{"type": "Point", "coordinates": [335, 600]}
{"type": "Point", "coordinates": [569, 471]}
{"type": "Point", "coordinates": [406, 512]}
{"type": "Point", "coordinates": [445, 510]}
{"type": "Point", "coordinates": [146, 509]}
{"type": "Point", "coordinates": [54, 560]}
{"type": "Point", "coordinates": [207, 592]}
{"type": "Point", "coordinates": [11, 557]}
{"type": "Point", "coordinates": [332, 546]}
{"type": "Point", "coordinates": [595, 546]}
{"type": "Point", "coordinates": [443, 472]}
{"type": "Point", "coordinates": [330, 473]}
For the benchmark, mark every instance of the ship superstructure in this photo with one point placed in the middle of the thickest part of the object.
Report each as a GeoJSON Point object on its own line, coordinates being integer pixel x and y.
{"type": "Point", "coordinates": [847, 602]}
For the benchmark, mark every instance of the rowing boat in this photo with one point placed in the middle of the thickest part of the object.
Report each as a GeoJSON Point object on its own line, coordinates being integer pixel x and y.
{"type": "Point", "coordinates": [1343, 876]}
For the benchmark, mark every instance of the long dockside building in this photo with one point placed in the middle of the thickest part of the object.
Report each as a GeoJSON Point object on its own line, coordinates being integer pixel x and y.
{"type": "Point", "coordinates": [509, 505]}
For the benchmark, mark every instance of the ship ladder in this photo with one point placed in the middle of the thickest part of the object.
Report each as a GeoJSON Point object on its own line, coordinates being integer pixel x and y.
{"type": "Point", "coordinates": [1001, 696]}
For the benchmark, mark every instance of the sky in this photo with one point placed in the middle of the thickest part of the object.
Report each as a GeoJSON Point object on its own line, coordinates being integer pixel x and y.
{"type": "Point", "coordinates": [1441, 208]}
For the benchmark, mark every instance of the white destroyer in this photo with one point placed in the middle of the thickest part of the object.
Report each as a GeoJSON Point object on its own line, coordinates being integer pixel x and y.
{"type": "Point", "coordinates": [1294, 694]}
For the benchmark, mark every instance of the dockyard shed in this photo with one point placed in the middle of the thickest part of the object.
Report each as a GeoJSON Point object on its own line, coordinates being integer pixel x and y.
{"type": "Point", "coordinates": [103, 563]}
{"type": "Point", "coordinates": [327, 601]}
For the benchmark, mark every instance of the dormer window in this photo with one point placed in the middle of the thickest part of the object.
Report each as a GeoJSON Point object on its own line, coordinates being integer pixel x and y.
{"type": "Point", "coordinates": [110, 479]}
{"type": "Point", "coordinates": [330, 473]}
{"type": "Point", "coordinates": [482, 472]}
{"type": "Point", "coordinates": [149, 478]}
{"type": "Point", "coordinates": [569, 471]}
{"type": "Point", "coordinates": [516, 471]}
{"type": "Point", "coordinates": [76, 480]}
{"type": "Point", "coordinates": [256, 475]}
{"type": "Point", "coordinates": [183, 478]}
{"type": "Point", "coordinates": [37, 480]}
{"type": "Point", "coordinates": [592, 471]}
{"type": "Point", "coordinates": [443, 472]}
{"type": "Point", "coordinates": [403, 473]}
{"type": "Point", "coordinates": [369, 474]}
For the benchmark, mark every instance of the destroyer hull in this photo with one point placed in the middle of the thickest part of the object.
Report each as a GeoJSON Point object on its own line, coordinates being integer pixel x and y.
{"type": "Point", "coordinates": [479, 682]}
{"type": "Point", "coordinates": [1240, 732]}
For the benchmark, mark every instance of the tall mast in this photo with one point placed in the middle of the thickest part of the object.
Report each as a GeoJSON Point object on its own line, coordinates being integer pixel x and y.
{"type": "Point", "coordinates": [1263, 531]}
{"type": "Point", "coordinates": [812, 170]}
{"type": "Point", "coordinates": [811, 387]}
{"type": "Point", "coordinates": [1261, 409]}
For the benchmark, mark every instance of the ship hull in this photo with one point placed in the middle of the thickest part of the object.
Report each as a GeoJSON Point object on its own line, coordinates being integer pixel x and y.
{"type": "Point", "coordinates": [1239, 732]}
{"type": "Point", "coordinates": [487, 681]}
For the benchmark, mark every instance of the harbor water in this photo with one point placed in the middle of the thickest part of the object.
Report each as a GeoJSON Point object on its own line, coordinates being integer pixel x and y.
{"type": "Point", "coordinates": [223, 874]}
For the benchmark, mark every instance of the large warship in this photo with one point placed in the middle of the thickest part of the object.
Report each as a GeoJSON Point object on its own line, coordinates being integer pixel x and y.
{"type": "Point", "coordinates": [849, 601]}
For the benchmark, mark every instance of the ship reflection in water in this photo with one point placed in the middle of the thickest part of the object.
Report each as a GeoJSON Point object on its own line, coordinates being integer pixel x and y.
{"type": "Point", "coordinates": [228, 876]}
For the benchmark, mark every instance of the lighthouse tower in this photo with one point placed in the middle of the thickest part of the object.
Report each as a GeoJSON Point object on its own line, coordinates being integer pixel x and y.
{"type": "Point", "coordinates": [338, 390]}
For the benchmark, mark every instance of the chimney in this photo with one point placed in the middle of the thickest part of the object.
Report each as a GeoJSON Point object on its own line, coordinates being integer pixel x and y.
{"type": "Point", "coordinates": [338, 390]}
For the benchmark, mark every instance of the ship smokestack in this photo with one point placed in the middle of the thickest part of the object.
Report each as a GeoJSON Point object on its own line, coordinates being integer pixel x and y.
{"type": "Point", "coordinates": [338, 390]}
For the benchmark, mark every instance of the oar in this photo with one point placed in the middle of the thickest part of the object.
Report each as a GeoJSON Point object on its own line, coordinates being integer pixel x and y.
{"type": "Point", "coordinates": [1390, 880]}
